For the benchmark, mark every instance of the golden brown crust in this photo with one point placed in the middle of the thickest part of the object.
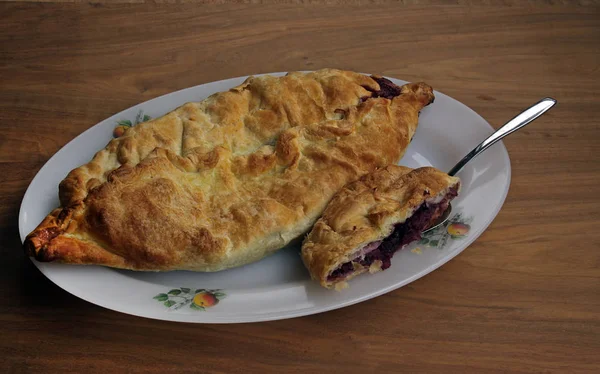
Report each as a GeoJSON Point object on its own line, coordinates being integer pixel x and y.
{"type": "Point", "coordinates": [228, 180]}
{"type": "Point", "coordinates": [366, 211]}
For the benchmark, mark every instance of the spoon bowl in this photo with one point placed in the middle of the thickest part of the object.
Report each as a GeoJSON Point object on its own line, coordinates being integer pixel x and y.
{"type": "Point", "coordinates": [441, 219]}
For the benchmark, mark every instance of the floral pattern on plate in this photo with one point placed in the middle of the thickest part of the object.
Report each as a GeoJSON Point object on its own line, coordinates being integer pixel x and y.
{"type": "Point", "coordinates": [455, 228]}
{"type": "Point", "coordinates": [122, 125]}
{"type": "Point", "coordinates": [200, 299]}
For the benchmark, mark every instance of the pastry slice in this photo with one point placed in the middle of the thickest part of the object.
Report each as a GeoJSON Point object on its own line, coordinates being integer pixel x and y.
{"type": "Point", "coordinates": [372, 218]}
{"type": "Point", "coordinates": [229, 180]}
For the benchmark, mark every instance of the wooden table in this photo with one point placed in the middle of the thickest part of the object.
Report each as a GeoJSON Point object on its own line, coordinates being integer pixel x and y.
{"type": "Point", "coordinates": [525, 297]}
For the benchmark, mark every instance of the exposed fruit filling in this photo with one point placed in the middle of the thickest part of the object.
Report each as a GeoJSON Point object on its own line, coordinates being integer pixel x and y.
{"type": "Point", "coordinates": [403, 234]}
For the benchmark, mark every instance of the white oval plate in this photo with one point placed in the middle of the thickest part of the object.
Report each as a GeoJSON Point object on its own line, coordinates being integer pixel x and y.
{"type": "Point", "coordinates": [278, 286]}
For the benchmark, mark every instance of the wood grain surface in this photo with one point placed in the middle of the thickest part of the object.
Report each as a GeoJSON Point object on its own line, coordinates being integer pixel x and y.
{"type": "Point", "coordinates": [525, 297]}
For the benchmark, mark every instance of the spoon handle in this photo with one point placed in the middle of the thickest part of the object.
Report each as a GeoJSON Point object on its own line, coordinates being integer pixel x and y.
{"type": "Point", "coordinates": [520, 121]}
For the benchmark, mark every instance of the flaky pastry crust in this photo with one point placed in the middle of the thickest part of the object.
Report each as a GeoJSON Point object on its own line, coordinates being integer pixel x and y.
{"type": "Point", "coordinates": [367, 211]}
{"type": "Point", "coordinates": [226, 181]}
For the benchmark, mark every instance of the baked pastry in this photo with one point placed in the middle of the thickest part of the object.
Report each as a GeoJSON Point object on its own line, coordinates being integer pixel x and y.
{"type": "Point", "coordinates": [372, 218]}
{"type": "Point", "coordinates": [228, 180]}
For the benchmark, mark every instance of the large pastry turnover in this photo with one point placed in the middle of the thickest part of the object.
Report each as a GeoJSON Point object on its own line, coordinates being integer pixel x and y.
{"type": "Point", "coordinates": [226, 181]}
{"type": "Point", "coordinates": [372, 218]}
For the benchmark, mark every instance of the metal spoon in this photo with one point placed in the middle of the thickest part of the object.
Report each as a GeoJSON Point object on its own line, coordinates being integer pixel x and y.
{"type": "Point", "coordinates": [517, 123]}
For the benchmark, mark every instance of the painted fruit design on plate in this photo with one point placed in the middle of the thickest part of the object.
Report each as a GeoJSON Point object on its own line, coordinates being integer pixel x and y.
{"type": "Point", "coordinates": [123, 125]}
{"type": "Point", "coordinates": [458, 229]}
{"type": "Point", "coordinates": [205, 299]}
{"type": "Point", "coordinates": [201, 299]}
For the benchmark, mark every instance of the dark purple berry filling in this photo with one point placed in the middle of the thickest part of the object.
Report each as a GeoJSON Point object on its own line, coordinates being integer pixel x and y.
{"type": "Point", "coordinates": [387, 89]}
{"type": "Point", "coordinates": [403, 234]}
